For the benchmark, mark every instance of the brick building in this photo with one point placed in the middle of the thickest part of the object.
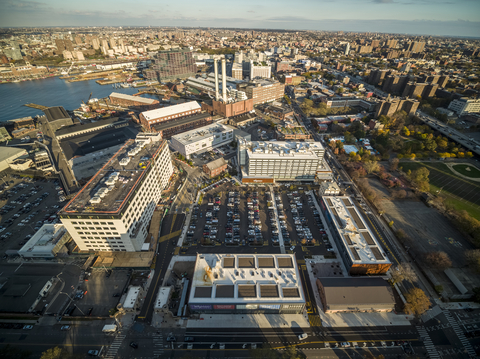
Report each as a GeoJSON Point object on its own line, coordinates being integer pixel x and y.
{"type": "Point", "coordinates": [215, 168]}
{"type": "Point", "coordinates": [388, 108]}
{"type": "Point", "coordinates": [173, 127]}
{"type": "Point", "coordinates": [136, 102]}
{"type": "Point", "coordinates": [262, 91]}
{"type": "Point", "coordinates": [152, 117]}
{"type": "Point", "coordinates": [228, 109]}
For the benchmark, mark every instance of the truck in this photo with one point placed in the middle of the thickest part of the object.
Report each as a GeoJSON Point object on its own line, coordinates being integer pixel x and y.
{"type": "Point", "coordinates": [109, 328]}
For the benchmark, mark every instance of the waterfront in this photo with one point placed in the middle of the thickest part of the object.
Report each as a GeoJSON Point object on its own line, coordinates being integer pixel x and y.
{"type": "Point", "coordinates": [50, 92]}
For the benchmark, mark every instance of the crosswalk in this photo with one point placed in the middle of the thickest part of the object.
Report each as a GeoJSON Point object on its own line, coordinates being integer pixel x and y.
{"type": "Point", "coordinates": [314, 320]}
{"type": "Point", "coordinates": [456, 328]}
{"type": "Point", "coordinates": [158, 345]}
{"type": "Point", "coordinates": [432, 352]}
{"type": "Point", "coordinates": [115, 346]}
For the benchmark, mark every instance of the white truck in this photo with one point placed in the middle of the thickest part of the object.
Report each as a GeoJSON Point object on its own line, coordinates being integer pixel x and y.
{"type": "Point", "coordinates": [109, 328]}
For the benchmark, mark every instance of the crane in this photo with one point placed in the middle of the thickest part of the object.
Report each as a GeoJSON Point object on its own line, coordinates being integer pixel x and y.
{"type": "Point", "coordinates": [66, 72]}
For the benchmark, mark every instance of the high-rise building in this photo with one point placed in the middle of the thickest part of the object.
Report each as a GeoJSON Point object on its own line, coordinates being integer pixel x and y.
{"type": "Point", "coordinates": [60, 45]}
{"type": "Point", "coordinates": [260, 70]}
{"type": "Point", "coordinates": [105, 44]}
{"type": "Point", "coordinates": [347, 48]}
{"type": "Point", "coordinates": [237, 71]}
{"type": "Point", "coordinates": [78, 40]}
{"type": "Point", "coordinates": [262, 91]}
{"type": "Point", "coordinates": [392, 43]}
{"type": "Point", "coordinates": [170, 65]}
{"type": "Point", "coordinates": [113, 211]}
{"type": "Point", "coordinates": [96, 43]}
{"type": "Point", "coordinates": [112, 42]}
{"type": "Point", "coordinates": [416, 46]}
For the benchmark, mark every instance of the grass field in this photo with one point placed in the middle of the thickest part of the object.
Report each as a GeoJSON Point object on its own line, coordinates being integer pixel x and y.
{"type": "Point", "coordinates": [473, 172]}
{"type": "Point", "coordinates": [461, 193]}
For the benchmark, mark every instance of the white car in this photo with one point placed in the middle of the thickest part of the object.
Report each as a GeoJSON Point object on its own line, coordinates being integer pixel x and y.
{"type": "Point", "coordinates": [330, 250]}
{"type": "Point", "coordinates": [27, 326]}
{"type": "Point", "coordinates": [303, 336]}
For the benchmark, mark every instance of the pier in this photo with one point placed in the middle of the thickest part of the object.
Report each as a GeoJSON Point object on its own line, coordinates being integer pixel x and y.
{"type": "Point", "coordinates": [34, 105]}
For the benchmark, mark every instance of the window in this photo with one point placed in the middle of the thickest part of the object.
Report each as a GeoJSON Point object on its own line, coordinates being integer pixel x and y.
{"type": "Point", "coordinates": [77, 228]}
{"type": "Point", "coordinates": [74, 222]}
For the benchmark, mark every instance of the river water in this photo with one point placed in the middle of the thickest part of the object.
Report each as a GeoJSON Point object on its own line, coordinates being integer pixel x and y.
{"type": "Point", "coordinates": [51, 91]}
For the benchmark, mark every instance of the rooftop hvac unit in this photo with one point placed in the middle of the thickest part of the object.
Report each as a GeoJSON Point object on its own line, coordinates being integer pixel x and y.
{"type": "Point", "coordinates": [95, 199]}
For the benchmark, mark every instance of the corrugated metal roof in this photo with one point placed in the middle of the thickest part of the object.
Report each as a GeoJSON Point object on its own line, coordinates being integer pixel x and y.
{"type": "Point", "coordinates": [171, 110]}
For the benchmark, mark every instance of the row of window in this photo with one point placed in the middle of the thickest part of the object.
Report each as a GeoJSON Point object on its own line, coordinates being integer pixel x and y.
{"type": "Point", "coordinates": [94, 223]}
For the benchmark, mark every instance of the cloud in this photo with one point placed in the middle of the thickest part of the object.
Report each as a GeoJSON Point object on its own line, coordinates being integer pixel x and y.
{"type": "Point", "coordinates": [251, 11]}
{"type": "Point", "coordinates": [384, 1]}
{"type": "Point", "coordinates": [22, 5]}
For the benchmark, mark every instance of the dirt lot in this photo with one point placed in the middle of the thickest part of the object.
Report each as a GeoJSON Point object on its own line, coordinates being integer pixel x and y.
{"type": "Point", "coordinates": [429, 231]}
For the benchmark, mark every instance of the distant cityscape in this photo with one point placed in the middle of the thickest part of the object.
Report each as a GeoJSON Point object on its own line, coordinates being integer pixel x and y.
{"type": "Point", "coordinates": [240, 193]}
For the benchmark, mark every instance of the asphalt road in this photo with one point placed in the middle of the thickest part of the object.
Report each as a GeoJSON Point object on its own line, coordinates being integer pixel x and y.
{"type": "Point", "coordinates": [171, 223]}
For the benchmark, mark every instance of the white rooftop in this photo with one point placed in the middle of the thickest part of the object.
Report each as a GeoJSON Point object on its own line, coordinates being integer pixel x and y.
{"type": "Point", "coordinates": [132, 296]}
{"type": "Point", "coordinates": [43, 241]}
{"type": "Point", "coordinates": [201, 133]}
{"type": "Point", "coordinates": [358, 240]}
{"type": "Point", "coordinates": [171, 110]}
{"type": "Point", "coordinates": [162, 297]}
{"type": "Point", "coordinates": [246, 278]}
{"type": "Point", "coordinates": [282, 149]}
{"type": "Point", "coordinates": [148, 101]}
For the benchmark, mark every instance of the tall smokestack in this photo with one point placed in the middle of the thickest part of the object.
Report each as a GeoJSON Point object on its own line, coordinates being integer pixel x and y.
{"type": "Point", "coordinates": [224, 80]}
{"type": "Point", "coordinates": [215, 66]}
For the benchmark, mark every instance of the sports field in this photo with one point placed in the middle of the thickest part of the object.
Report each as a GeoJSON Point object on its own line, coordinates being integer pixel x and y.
{"type": "Point", "coordinates": [461, 193]}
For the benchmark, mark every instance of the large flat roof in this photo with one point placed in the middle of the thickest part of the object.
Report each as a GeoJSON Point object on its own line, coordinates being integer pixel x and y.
{"type": "Point", "coordinates": [147, 101]}
{"type": "Point", "coordinates": [246, 278]}
{"type": "Point", "coordinates": [45, 239]}
{"type": "Point", "coordinates": [171, 110]}
{"type": "Point", "coordinates": [165, 125]}
{"type": "Point", "coordinates": [282, 149]}
{"type": "Point", "coordinates": [56, 113]}
{"type": "Point", "coordinates": [201, 133]}
{"type": "Point", "coordinates": [357, 238]}
{"type": "Point", "coordinates": [108, 191]}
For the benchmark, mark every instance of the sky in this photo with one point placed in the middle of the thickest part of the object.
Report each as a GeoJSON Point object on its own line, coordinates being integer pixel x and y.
{"type": "Point", "coordinates": [429, 17]}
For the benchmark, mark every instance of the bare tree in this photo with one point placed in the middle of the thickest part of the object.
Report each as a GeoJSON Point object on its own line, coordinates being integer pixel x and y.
{"type": "Point", "coordinates": [438, 260]}
{"type": "Point", "coordinates": [403, 271]}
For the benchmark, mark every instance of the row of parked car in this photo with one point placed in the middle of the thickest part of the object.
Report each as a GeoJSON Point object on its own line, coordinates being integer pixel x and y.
{"type": "Point", "coordinates": [254, 223]}
{"type": "Point", "coordinates": [281, 219]}
{"type": "Point", "coordinates": [232, 228]}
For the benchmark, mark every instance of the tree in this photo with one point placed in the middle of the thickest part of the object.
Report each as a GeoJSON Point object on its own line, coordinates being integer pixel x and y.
{"type": "Point", "coordinates": [394, 164]}
{"type": "Point", "coordinates": [438, 260]}
{"type": "Point", "coordinates": [417, 302]}
{"type": "Point", "coordinates": [54, 353]}
{"type": "Point", "coordinates": [400, 194]}
{"type": "Point", "coordinates": [473, 259]}
{"type": "Point", "coordinates": [371, 166]}
{"type": "Point", "coordinates": [401, 272]}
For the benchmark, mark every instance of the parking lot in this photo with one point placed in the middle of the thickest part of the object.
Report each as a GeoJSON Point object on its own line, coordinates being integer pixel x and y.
{"type": "Point", "coordinates": [100, 293]}
{"type": "Point", "coordinates": [245, 217]}
{"type": "Point", "coordinates": [25, 205]}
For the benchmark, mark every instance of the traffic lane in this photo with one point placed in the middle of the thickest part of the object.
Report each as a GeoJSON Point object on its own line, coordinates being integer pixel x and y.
{"type": "Point", "coordinates": [242, 334]}
{"type": "Point", "coordinates": [310, 296]}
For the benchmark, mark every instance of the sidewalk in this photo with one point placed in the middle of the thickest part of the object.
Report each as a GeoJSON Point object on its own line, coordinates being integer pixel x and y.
{"type": "Point", "coordinates": [249, 321]}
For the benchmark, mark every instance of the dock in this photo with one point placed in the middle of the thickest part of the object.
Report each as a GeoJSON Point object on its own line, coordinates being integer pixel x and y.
{"type": "Point", "coordinates": [38, 107]}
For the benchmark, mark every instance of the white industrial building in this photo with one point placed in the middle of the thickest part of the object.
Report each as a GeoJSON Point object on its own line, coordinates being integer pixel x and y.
{"type": "Point", "coordinates": [267, 162]}
{"type": "Point", "coordinates": [113, 211]}
{"type": "Point", "coordinates": [163, 297]}
{"type": "Point", "coordinates": [202, 139]}
{"type": "Point", "coordinates": [246, 283]}
{"type": "Point", "coordinates": [360, 250]}
{"type": "Point", "coordinates": [47, 242]}
{"type": "Point", "coordinates": [9, 155]}
{"type": "Point", "coordinates": [132, 299]}
{"type": "Point", "coordinates": [465, 105]}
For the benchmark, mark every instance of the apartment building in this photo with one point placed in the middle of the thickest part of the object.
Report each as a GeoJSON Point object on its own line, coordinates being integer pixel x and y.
{"type": "Point", "coordinates": [202, 139]}
{"type": "Point", "coordinates": [171, 65]}
{"type": "Point", "coordinates": [113, 210]}
{"type": "Point", "coordinates": [358, 247]}
{"type": "Point", "coordinates": [465, 105]}
{"type": "Point", "coordinates": [262, 91]}
{"type": "Point", "coordinates": [267, 162]}
{"type": "Point", "coordinates": [152, 117]}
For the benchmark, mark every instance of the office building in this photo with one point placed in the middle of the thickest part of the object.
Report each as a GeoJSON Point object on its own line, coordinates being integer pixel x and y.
{"type": "Point", "coordinates": [246, 283]}
{"type": "Point", "coordinates": [358, 247]}
{"type": "Point", "coordinates": [171, 65]}
{"type": "Point", "coordinates": [355, 295]}
{"type": "Point", "coordinates": [465, 105]}
{"type": "Point", "coordinates": [267, 162]}
{"type": "Point", "coordinates": [237, 71]}
{"type": "Point", "coordinates": [259, 70]}
{"type": "Point", "coordinates": [202, 139]}
{"type": "Point", "coordinates": [149, 118]}
{"type": "Point", "coordinates": [113, 210]}
{"type": "Point", "coordinates": [262, 91]}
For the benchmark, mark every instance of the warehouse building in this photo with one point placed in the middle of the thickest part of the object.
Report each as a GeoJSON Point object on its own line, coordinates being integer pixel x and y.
{"type": "Point", "coordinates": [57, 117]}
{"type": "Point", "coordinates": [355, 295]}
{"type": "Point", "coordinates": [267, 162]}
{"type": "Point", "coordinates": [48, 242]}
{"type": "Point", "coordinates": [134, 102]}
{"type": "Point", "coordinates": [113, 210]}
{"type": "Point", "coordinates": [175, 112]}
{"type": "Point", "coordinates": [9, 155]}
{"type": "Point", "coordinates": [359, 249]}
{"type": "Point", "coordinates": [173, 127]}
{"type": "Point", "coordinates": [246, 283]}
{"type": "Point", "coordinates": [202, 139]}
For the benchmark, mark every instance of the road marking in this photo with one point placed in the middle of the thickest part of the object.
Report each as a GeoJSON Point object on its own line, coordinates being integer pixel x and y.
{"type": "Point", "coordinates": [166, 237]}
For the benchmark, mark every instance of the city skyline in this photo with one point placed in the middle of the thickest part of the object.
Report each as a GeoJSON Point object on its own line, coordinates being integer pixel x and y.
{"type": "Point", "coordinates": [448, 18]}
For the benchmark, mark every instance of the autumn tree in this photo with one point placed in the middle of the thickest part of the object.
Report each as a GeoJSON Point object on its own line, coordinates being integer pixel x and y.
{"type": "Point", "coordinates": [371, 166]}
{"type": "Point", "coordinates": [401, 272]}
{"type": "Point", "coordinates": [417, 302]}
{"type": "Point", "coordinates": [473, 259]}
{"type": "Point", "coordinates": [394, 164]}
{"type": "Point", "coordinates": [438, 260]}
